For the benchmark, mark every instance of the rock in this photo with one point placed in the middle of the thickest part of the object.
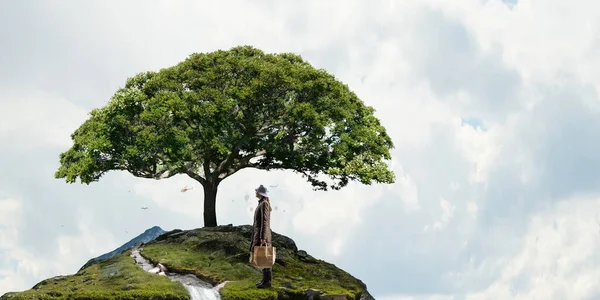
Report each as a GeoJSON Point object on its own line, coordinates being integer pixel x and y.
{"type": "Point", "coordinates": [305, 257]}
{"type": "Point", "coordinates": [220, 285]}
{"type": "Point", "coordinates": [334, 297]}
{"type": "Point", "coordinates": [366, 296]}
{"type": "Point", "coordinates": [169, 235]}
{"type": "Point", "coordinates": [281, 241]}
{"type": "Point", "coordinates": [166, 235]}
{"type": "Point", "coordinates": [285, 295]}
{"type": "Point", "coordinates": [162, 274]}
{"type": "Point", "coordinates": [244, 230]}
{"type": "Point", "coordinates": [154, 270]}
{"type": "Point", "coordinates": [313, 294]}
{"type": "Point", "coordinates": [222, 228]}
{"type": "Point", "coordinates": [162, 268]}
{"type": "Point", "coordinates": [280, 261]}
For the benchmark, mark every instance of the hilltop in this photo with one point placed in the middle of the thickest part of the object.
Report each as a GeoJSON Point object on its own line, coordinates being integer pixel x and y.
{"type": "Point", "coordinates": [215, 255]}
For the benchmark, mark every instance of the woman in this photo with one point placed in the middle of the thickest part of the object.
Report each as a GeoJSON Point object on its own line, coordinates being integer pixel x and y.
{"type": "Point", "coordinates": [261, 234]}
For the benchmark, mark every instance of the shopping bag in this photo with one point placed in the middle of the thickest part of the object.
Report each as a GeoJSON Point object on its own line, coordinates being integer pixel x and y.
{"type": "Point", "coordinates": [264, 256]}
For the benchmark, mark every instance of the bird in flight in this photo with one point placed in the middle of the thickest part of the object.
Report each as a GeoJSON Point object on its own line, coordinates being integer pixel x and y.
{"type": "Point", "coordinates": [185, 189]}
{"type": "Point", "coordinates": [144, 208]}
{"type": "Point", "coordinates": [274, 186]}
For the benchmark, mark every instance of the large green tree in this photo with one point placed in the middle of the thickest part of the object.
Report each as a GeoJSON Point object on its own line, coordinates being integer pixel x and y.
{"type": "Point", "coordinates": [217, 113]}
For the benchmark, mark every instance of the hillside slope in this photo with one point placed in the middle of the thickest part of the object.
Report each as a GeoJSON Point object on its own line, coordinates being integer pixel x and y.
{"type": "Point", "coordinates": [146, 237]}
{"type": "Point", "coordinates": [214, 255]}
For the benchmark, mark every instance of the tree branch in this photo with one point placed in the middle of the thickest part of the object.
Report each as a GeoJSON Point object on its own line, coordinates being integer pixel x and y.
{"type": "Point", "coordinates": [165, 174]}
{"type": "Point", "coordinates": [244, 162]}
{"type": "Point", "coordinates": [196, 177]}
{"type": "Point", "coordinates": [225, 164]}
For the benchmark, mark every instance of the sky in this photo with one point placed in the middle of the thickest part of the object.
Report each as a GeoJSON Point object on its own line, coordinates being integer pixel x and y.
{"type": "Point", "coordinates": [492, 105]}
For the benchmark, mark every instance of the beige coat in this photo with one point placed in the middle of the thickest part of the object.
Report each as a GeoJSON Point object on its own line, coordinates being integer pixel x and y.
{"type": "Point", "coordinates": [262, 224]}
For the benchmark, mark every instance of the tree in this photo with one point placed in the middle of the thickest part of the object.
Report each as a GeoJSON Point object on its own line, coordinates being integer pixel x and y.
{"type": "Point", "coordinates": [217, 113]}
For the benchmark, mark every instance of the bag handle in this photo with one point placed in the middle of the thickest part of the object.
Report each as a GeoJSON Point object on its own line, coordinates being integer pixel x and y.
{"type": "Point", "coordinates": [266, 246]}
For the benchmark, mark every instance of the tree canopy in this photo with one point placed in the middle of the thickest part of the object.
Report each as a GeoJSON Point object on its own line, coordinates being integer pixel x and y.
{"type": "Point", "coordinates": [217, 113]}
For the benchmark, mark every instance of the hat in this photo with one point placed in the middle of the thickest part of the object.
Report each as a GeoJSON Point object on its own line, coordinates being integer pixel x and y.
{"type": "Point", "coordinates": [261, 190]}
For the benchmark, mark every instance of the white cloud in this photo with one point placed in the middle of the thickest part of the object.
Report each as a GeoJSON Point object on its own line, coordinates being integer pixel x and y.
{"type": "Point", "coordinates": [10, 216]}
{"type": "Point", "coordinates": [30, 118]}
{"type": "Point", "coordinates": [558, 258]}
{"type": "Point", "coordinates": [472, 209]}
{"type": "Point", "coordinates": [482, 192]}
{"type": "Point", "coordinates": [85, 243]}
{"type": "Point", "coordinates": [447, 212]}
{"type": "Point", "coordinates": [406, 189]}
{"type": "Point", "coordinates": [480, 147]}
{"type": "Point", "coordinates": [20, 268]}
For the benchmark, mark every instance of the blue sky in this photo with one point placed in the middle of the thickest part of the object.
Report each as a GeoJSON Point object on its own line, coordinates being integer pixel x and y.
{"type": "Point", "coordinates": [494, 112]}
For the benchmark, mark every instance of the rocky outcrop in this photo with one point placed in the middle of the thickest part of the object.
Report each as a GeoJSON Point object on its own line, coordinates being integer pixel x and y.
{"type": "Point", "coordinates": [146, 237]}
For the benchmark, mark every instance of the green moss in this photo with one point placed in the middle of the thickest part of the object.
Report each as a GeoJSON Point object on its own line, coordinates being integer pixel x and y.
{"type": "Point", "coordinates": [117, 278]}
{"type": "Point", "coordinates": [223, 256]}
{"type": "Point", "coordinates": [214, 255]}
{"type": "Point", "coordinates": [207, 266]}
{"type": "Point", "coordinates": [245, 289]}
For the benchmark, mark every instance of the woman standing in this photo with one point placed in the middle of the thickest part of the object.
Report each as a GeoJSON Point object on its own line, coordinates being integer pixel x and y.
{"type": "Point", "coordinates": [261, 234]}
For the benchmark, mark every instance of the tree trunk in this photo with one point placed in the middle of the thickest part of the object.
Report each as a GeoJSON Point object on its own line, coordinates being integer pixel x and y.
{"type": "Point", "coordinates": [210, 200]}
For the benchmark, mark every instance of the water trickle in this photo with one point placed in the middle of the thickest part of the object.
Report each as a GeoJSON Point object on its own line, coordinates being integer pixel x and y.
{"type": "Point", "coordinates": [198, 289]}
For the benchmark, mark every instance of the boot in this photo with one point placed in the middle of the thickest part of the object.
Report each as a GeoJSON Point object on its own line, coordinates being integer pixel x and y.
{"type": "Point", "coordinates": [267, 276]}
{"type": "Point", "coordinates": [263, 279]}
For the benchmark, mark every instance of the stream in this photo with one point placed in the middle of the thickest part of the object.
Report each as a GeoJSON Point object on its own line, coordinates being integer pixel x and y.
{"type": "Point", "coordinates": [198, 289]}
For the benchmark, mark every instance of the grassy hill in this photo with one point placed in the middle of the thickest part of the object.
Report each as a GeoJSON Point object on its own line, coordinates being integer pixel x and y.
{"type": "Point", "coordinates": [214, 255]}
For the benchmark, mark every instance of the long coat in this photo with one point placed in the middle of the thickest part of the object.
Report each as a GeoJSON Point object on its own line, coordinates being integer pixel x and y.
{"type": "Point", "coordinates": [262, 224]}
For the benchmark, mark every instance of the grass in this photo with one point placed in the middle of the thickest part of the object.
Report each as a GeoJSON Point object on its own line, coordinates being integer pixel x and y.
{"type": "Point", "coordinates": [117, 278]}
{"type": "Point", "coordinates": [214, 255]}
{"type": "Point", "coordinates": [223, 256]}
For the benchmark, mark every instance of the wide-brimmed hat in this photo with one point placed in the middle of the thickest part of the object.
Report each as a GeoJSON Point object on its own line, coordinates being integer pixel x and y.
{"type": "Point", "coordinates": [261, 190]}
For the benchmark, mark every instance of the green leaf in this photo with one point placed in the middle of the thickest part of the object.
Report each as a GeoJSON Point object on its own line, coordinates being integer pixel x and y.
{"type": "Point", "coordinates": [216, 113]}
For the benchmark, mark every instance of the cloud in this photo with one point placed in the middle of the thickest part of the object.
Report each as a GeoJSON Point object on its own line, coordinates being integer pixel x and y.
{"type": "Point", "coordinates": [558, 257]}
{"type": "Point", "coordinates": [493, 109]}
{"type": "Point", "coordinates": [448, 58]}
{"type": "Point", "coordinates": [23, 108]}
{"type": "Point", "coordinates": [10, 216]}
